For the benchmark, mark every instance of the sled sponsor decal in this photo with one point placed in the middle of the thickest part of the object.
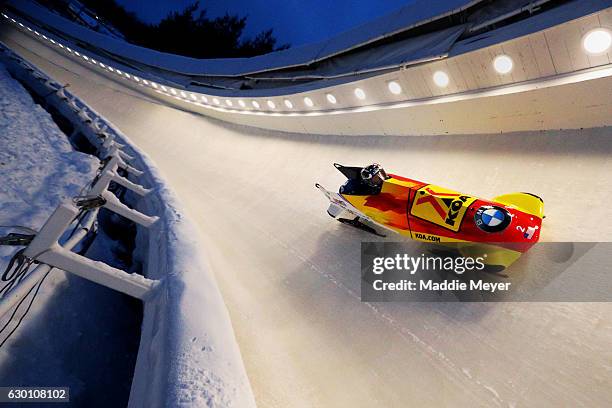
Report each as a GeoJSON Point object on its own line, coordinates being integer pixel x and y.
{"type": "Point", "coordinates": [441, 206]}
{"type": "Point", "coordinates": [491, 218]}
{"type": "Point", "coordinates": [426, 237]}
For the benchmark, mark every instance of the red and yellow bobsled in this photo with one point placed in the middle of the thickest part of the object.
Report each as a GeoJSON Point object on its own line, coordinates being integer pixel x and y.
{"type": "Point", "coordinates": [503, 228]}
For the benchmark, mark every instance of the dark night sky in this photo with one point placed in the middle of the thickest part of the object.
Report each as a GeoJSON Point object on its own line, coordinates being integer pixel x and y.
{"type": "Point", "coordinates": [294, 21]}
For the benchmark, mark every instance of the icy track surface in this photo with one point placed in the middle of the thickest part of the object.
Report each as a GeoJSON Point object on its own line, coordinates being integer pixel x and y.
{"type": "Point", "coordinates": [290, 275]}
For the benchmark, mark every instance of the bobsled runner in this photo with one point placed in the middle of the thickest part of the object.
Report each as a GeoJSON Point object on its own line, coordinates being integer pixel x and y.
{"type": "Point", "coordinates": [383, 204]}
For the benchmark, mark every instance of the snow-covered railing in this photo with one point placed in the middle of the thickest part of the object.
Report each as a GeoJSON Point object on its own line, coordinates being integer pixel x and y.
{"type": "Point", "coordinates": [45, 247]}
{"type": "Point", "coordinates": [178, 286]}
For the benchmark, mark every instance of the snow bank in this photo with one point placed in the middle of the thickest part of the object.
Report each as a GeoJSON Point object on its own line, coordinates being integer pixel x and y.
{"type": "Point", "coordinates": [188, 354]}
{"type": "Point", "coordinates": [38, 166]}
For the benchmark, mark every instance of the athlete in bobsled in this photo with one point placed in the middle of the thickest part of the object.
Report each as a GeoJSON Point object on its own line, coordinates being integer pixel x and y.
{"type": "Point", "coordinates": [367, 180]}
{"type": "Point", "coordinates": [377, 202]}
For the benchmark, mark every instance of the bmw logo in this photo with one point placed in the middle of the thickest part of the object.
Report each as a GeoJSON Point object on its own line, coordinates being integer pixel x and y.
{"type": "Point", "coordinates": [490, 218]}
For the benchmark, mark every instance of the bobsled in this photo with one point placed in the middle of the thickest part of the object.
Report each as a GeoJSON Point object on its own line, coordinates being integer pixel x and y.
{"type": "Point", "coordinates": [372, 200]}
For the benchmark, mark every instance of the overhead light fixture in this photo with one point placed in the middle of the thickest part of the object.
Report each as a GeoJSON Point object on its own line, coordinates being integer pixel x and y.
{"type": "Point", "coordinates": [204, 99]}
{"type": "Point", "coordinates": [216, 101]}
{"type": "Point", "coordinates": [173, 91]}
{"type": "Point", "coordinates": [192, 96]}
{"type": "Point", "coordinates": [331, 98]}
{"type": "Point", "coordinates": [441, 79]}
{"type": "Point", "coordinates": [229, 102]}
{"type": "Point", "coordinates": [597, 41]}
{"type": "Point", "coordinates": [394, 87]}
{"type": "Point", "coordinates": [241, 103]}
{"type": "Point", "coordinates": [288, 104]}
{"type": "Point", "coordinates": [271, 105]}
{"type": "Point", "coordinates": [503, 64]}
{"type": "Point", "coordinates": [183, 94]}
{"type": "Point", "coordinates": [360, 94]}
{"type": "Point", "coordinates": [308, 102]}
{"type": "Point", "coordinates": [255, 104]}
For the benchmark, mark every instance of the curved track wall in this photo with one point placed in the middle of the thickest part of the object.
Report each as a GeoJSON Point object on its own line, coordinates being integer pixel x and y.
{"type": "Point", "coordinates": [290, 277]}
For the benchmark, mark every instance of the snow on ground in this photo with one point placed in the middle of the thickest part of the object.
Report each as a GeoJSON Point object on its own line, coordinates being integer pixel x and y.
{"type": "Point", "coordinates": [38, 165]}
{"type": "Point", "coordinates": [70, 316]}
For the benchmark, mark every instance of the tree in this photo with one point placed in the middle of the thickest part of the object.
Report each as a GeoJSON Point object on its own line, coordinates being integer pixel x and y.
{"type": "Point", "coordinates": [188, 32]}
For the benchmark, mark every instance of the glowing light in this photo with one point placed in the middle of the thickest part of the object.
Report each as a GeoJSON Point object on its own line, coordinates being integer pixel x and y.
{"type": "Point", "coordinates": [441, 79]}
{"type": "Point", "coordinates": [360, 94]}
{"type": "Point", "coordinates": [597, 41]}
{"type": "Point", "coordinates": [394, 88]}
{"type": "Point", "coordinates": [255, 104]}
{"type": "Point", "coordinates": [503, 64]}
{"type": "Point", "coordinates": [241, 103]}
{"type": "Point", "coordinates": [216, 101]}
{"type": "Point", "coordinates": [164, 88]}
{"type": "Point", "coordinates": [204, 99]}
{"type": "Point", "coordinates": [173, 91]}
{"type": "Point", "coordinates": [308, 102]}
{"type": "Point", "coordinates": [331, 98]}
{"type": "Point", "coordinates": [192, 96]}
{"type": "Point", "coordinates": [288, 104]}
{"type": "Point", "coordinates": [229, 102]}
{"type": "Point", "coordinates": [271, 105]}
{"type": "Point", "coordinates": [183, 94]}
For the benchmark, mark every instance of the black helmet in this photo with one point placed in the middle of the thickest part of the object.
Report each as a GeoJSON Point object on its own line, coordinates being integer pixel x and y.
{"type": "Point", "coordinates": [373, 175]}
